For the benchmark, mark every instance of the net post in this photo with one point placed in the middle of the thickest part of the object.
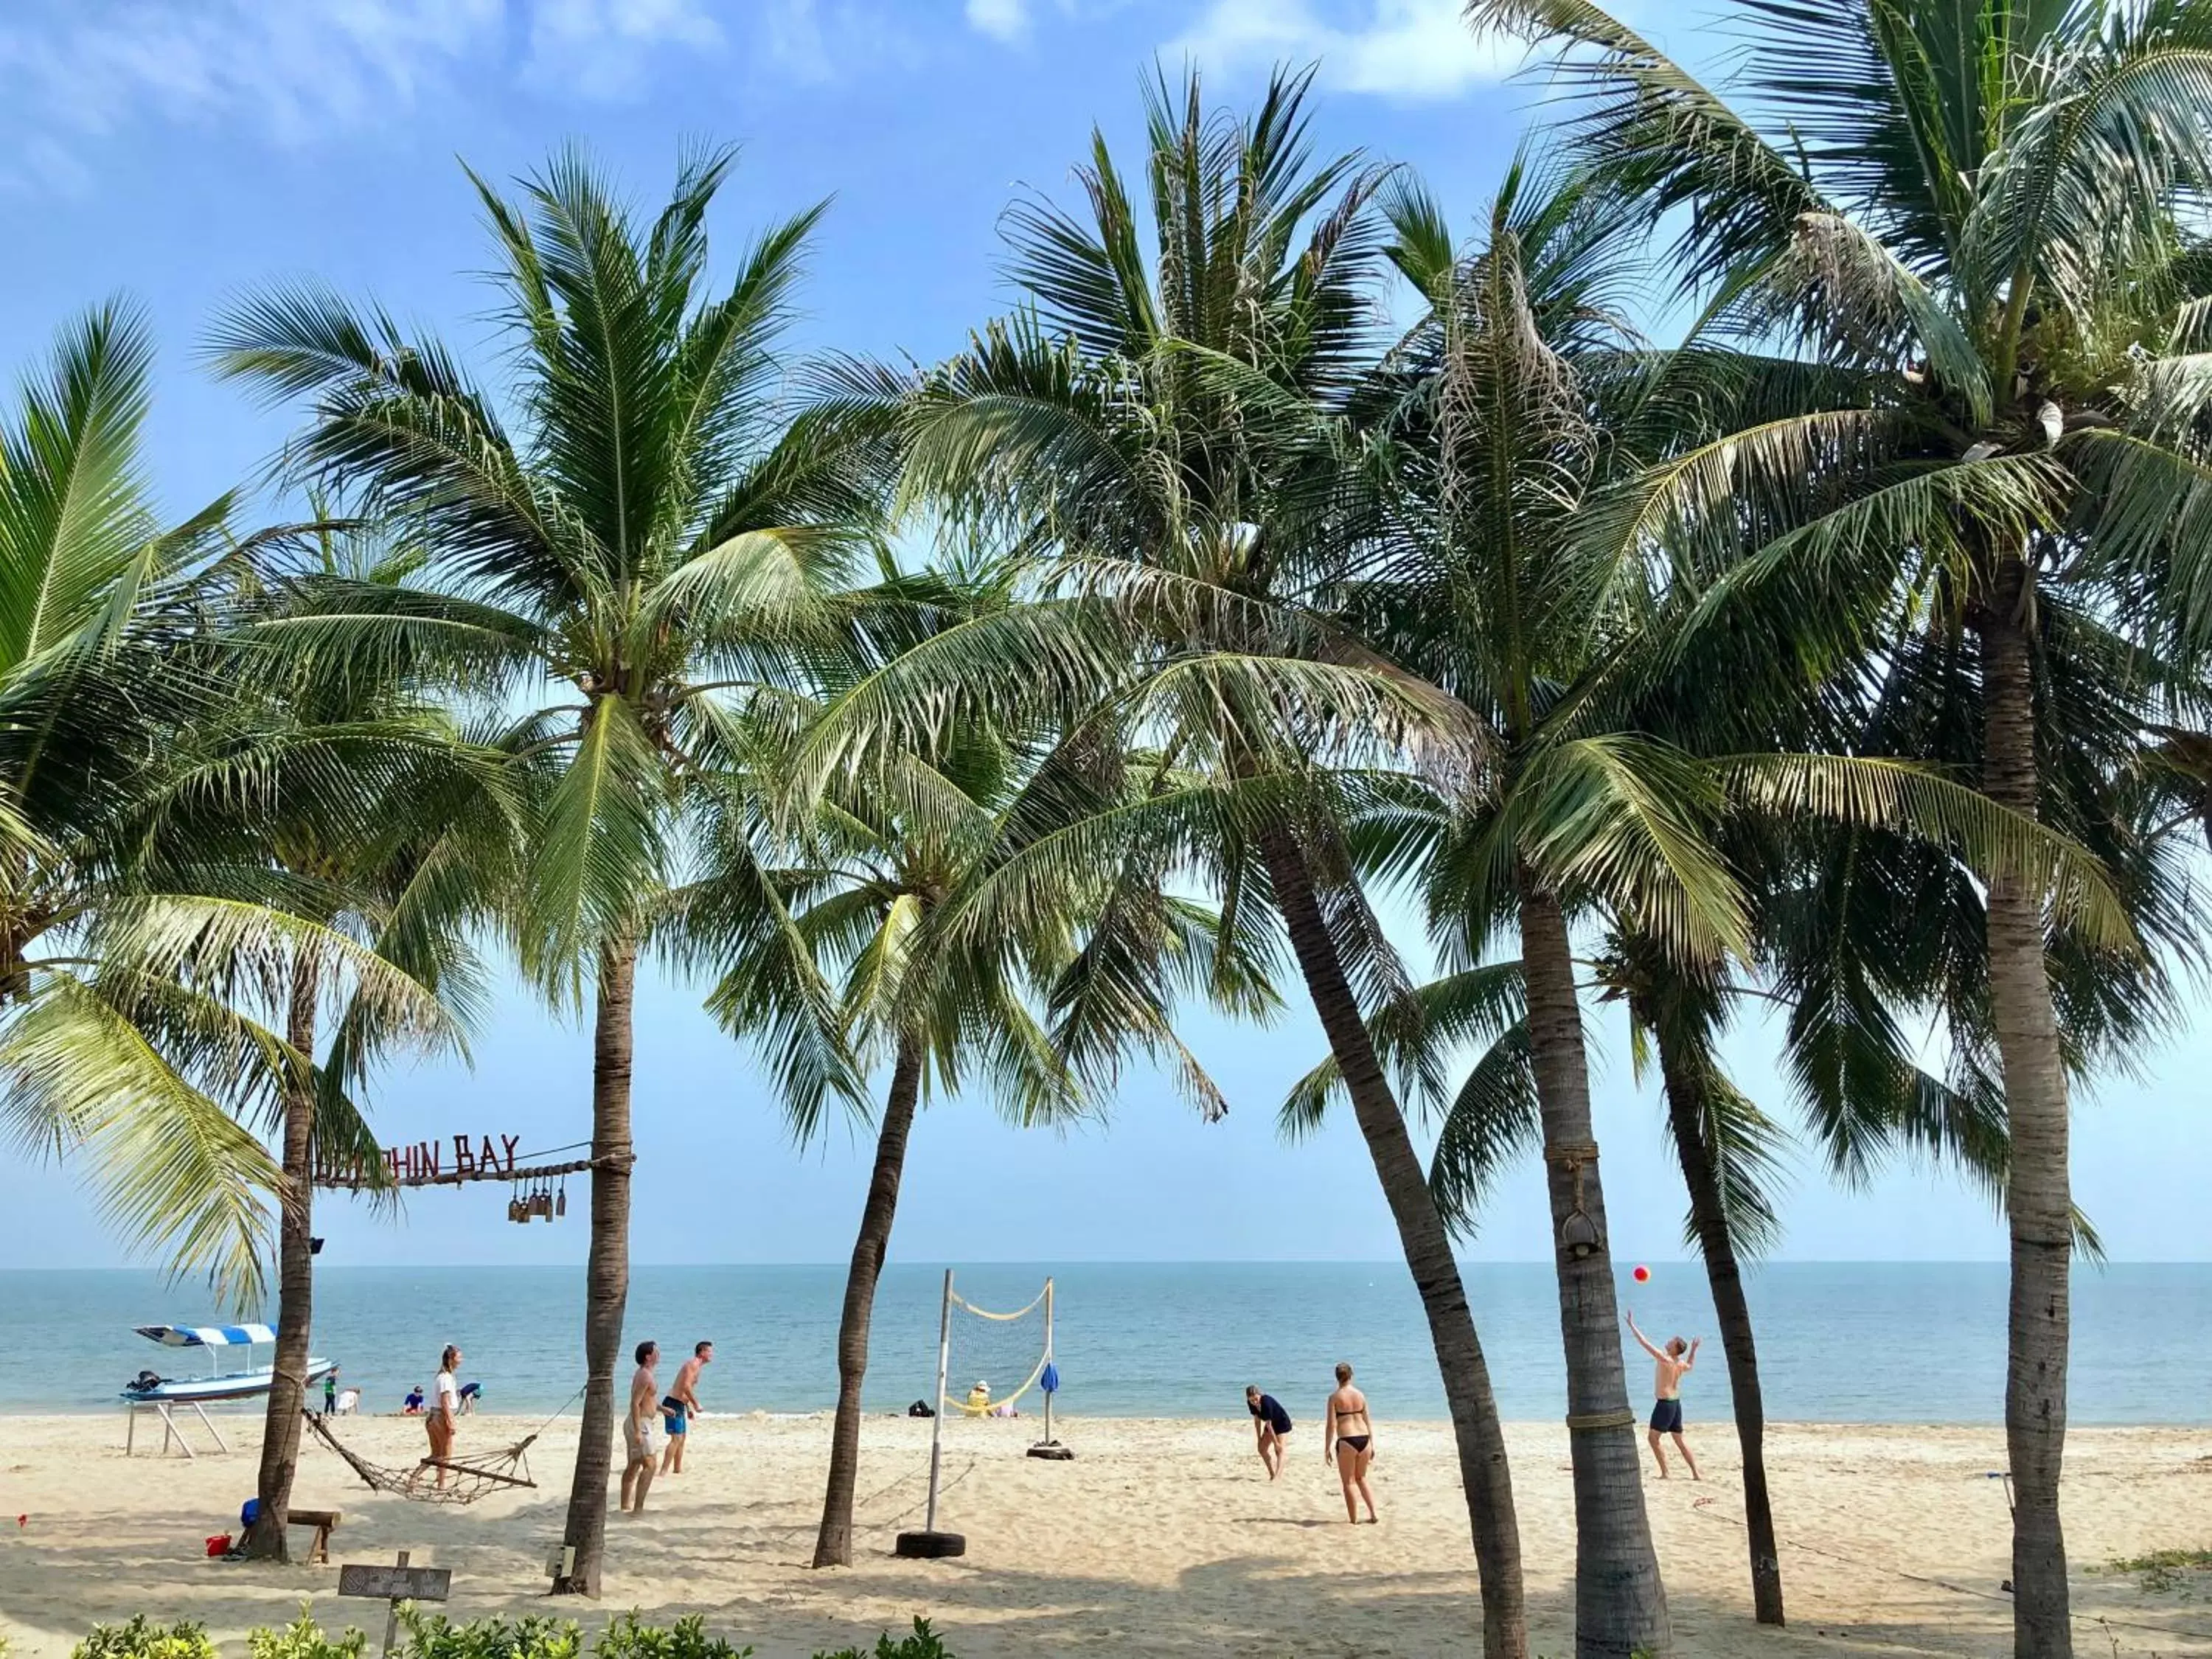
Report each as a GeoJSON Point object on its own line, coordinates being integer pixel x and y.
{"type": "Point", "coordinates": [1048, 1356]}
{"type": "Point", "coordinates": [937, 1422]}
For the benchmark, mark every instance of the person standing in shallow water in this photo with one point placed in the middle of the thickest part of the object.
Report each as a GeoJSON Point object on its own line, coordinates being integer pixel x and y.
{"type": "Point", "coordinates": [1349, 1429]}
{"type": "Point", "coordinates": [1270, 1423]}
{"type": "Point", "coordinates": [1673, 1363]}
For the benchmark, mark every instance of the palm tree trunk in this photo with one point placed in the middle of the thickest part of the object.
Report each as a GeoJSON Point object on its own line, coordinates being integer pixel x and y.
{"type": "Point", "coordinates": [833, 1546]}
{"type": "Point", "coordinates": [2039, 1193]}
{"type": "Point", "coordinates": [1620, 1605]}
{"type": "Point", "coordinates": [1481, 1441]}
{"type": "Point", "coordinates": [267, 1539]}
{"type": "Point", "coordinates": [607, 1272]}
{"type": "Point", "coordinates": [1709, 1219]}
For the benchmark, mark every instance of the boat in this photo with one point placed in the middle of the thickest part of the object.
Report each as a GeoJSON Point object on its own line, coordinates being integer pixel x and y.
{"type": "Point", "coordinates": [150, 1388]}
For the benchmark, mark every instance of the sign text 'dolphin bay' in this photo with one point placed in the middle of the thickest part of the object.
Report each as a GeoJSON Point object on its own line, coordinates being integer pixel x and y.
{"type": "Point", "coordinates": [468, 1157]}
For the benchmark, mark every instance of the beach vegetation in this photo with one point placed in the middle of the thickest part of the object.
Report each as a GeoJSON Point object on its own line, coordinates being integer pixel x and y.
{"type": "Point", "coordinates": [433, 1636]}
{"type": "Point", "coordinates": [946, 982]}
{"type": "Point", "coordinates": [655, 543]}
{"type": "Point", "coordinates": [1951, 239]}
{"type": "Point", "coordinates": [304, 1638]}
{"type": "Point", "coordinates": [921, 1643]}
{"type": "Point", "coordinates": [142, 1639]}
{"type": "Point", "coordinates": [1115, 436]}
{"type": "Point", "coordinates": [2162, 1571]}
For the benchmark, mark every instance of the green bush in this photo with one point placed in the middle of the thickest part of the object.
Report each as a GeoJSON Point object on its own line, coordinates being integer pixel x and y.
{"type": "Point", "coordinates": [303, 1638]}
{"type": "Point", "coordinates": [629, 1638]}
{"type": "Point", "coordinates": [924, 1644]}
{"type": "Point", "coordinates": [431, 1635]}
{"type": "Point", "coordinates": [140, 1639]}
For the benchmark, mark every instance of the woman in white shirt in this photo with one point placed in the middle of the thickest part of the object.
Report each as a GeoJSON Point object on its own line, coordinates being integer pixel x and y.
{"type": "Point", "coordinates": [444, 1409]}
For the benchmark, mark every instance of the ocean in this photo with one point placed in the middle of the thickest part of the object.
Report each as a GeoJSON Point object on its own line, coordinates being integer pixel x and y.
{"type": "Point", "coordinates": [1843, 1343]}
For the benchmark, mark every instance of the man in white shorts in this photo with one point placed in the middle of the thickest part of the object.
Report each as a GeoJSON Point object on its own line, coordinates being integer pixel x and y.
{"type": "Point", "coordinates": [637, 1429]}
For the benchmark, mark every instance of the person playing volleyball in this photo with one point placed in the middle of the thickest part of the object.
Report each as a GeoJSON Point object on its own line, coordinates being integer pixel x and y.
{"type": "Point", "coordinates": [1675, 1362]}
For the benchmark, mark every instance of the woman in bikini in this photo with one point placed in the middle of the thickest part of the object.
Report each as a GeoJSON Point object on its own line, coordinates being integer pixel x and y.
{"type": "Point", "coordinates": [1349, 1426]}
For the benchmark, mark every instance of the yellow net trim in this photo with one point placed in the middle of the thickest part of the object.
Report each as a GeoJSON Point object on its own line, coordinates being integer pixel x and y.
{"type": "Point", "coordinates": [966, 1410]}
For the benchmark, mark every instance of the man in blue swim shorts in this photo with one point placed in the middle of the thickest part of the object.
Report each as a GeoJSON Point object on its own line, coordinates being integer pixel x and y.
{"type": "Point", "coordinates": [682, 1405]}
{"type": "Point", "coordinates": [1675, 1362]}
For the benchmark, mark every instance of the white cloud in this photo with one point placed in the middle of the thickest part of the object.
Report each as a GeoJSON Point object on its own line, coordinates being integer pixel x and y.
{"type": "Point", "coordinates": [603, 48]}
{"type": "Point", "coordinates": [302, 69]}
{"type": "Point", "coordinates": [296, 68]}
{"type": "Point", "coordinates": [1411, 49]}
{"type": "Point", "coordinates": [1003, 20]}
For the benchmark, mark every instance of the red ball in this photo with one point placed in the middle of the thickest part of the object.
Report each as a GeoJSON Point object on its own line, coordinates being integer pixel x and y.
{"type": "Point", "coordinates": [1642, 1273]}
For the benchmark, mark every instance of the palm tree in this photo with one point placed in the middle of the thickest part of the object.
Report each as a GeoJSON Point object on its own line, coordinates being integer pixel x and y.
{"type": "Point", "coordinates": [1966, 210]}
{"type": "Point", "coordinates": [1034, 1011]}
{"type": "Point", "coordinates": [1167, 559]}
{"type": "Point", "coordinates": [138, 954]}
{"type": "Point", "coordinates": [371, 814]}
{"type": "Point", "coordinates": [654, 541]}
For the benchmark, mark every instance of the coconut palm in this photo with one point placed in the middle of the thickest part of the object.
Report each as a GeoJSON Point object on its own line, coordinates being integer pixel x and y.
{"type": "Point", "coordinates": [367, 809]}
{"type": "Point", "coordinates": [1041, 1013]}
{"type": "Point", "coordinates": [1166, 560]}
{"type": "Point", "coordinates": [1966, 209]}
{"type": "Point", "coordinates": [652, 538]}
{"type": "Point", "coordinates": [141, 959]}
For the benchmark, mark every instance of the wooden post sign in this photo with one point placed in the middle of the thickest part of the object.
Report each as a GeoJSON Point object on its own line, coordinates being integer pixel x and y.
{"type": "Point", "coordinates": [394, 1585]}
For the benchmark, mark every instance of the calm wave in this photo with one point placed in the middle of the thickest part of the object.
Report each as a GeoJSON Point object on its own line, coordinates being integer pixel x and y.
{"type": "Point", "coordinates": [1838, 1342]}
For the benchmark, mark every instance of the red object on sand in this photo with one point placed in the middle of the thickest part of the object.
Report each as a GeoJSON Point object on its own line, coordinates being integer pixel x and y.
{"type": "Point", "coordinates": [1642, 1273]}
{"type": "Point", "coordinates": [219, 1544]}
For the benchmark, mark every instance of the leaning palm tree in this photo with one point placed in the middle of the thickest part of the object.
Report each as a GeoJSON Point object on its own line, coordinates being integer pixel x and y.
{"type": "Point", "coordinates": [144, 961]}
{"type": "Point", "coordinates": [652, 540]}
{"type": "Point", "coordinates": [1968, 212]}
{"type": "Point", "coordinates": [1039, 1013]}
{"type": "Point", "coordinates": [363, 804]}
{"type": "Point", "coordinates": [1166, 563]}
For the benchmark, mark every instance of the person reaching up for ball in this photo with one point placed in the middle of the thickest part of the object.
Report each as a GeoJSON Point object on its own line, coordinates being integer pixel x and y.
{"type": "Point", "coordinates": [1674, 1361]}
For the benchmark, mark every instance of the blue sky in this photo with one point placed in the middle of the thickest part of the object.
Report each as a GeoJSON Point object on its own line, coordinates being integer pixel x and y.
{"type": "Point", "coordinates": [183, 150]}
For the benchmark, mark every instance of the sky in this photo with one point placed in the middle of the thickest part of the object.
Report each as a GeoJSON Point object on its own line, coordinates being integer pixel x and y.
{"type": "Point", "coordinates": [181, 152]}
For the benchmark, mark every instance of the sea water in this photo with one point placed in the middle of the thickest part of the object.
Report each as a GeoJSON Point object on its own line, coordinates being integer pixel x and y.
{"type": "Point", "coordinates": [1917, 1343]}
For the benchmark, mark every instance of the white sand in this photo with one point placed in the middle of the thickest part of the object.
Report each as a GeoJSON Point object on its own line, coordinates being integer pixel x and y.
{"type": "Point", "coordinates": [1162, 1537]}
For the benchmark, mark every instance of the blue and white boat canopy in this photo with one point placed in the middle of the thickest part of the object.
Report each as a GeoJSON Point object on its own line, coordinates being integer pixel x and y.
{"type": "Point", "coordinates": [207, 1336]}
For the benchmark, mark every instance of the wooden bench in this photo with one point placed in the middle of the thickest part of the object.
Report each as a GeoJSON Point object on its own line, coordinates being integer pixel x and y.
{"type": "Point", "coordinates": [323, 1521]}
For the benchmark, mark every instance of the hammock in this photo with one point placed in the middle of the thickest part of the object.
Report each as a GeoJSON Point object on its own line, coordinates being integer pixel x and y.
{"type": "Point", "coordinates": [471, 1477]}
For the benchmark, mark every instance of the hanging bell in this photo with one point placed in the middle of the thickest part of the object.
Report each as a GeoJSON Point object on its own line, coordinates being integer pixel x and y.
{"type": "Point", "coordinates": [561, 1201]}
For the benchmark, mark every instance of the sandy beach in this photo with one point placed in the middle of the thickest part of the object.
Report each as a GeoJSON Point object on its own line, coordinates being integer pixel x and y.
{"type": "Point", "coordinates": [1162, 1537]}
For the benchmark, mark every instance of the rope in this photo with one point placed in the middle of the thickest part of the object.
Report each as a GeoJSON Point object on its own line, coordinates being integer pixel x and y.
{"type": "Point", "coordinates": [965, 1409]}
{"type": "Point", "coordinates": [472, 1477]}
{"type": "Point", "coordinates": [1622, 1418]}
{"type": "Point", "coordinates": [985, 1313]}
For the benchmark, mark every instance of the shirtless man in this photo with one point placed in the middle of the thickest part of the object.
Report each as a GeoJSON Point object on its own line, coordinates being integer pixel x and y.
{"type": "Point", "coordinates": [682, 1405]}
{"type": "Point", "coordinates": [1349, 1426]}
{"type": "Point", "coordinates": [1674, 1361]}
{"type": "Point", "coordinates": [637, 1429]}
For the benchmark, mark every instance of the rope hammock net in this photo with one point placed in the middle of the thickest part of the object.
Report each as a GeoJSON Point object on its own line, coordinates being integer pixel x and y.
{"type": "Point", "coordinates": [467, 1478]}
{"type": "Point", "coordinates": [1001, 1343]}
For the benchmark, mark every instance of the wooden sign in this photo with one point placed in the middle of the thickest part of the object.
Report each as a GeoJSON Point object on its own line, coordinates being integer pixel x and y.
{"type": "Point", "coordinates": [395, 1583]}
{"type": "Point", "coordinates": [392, 1585]}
